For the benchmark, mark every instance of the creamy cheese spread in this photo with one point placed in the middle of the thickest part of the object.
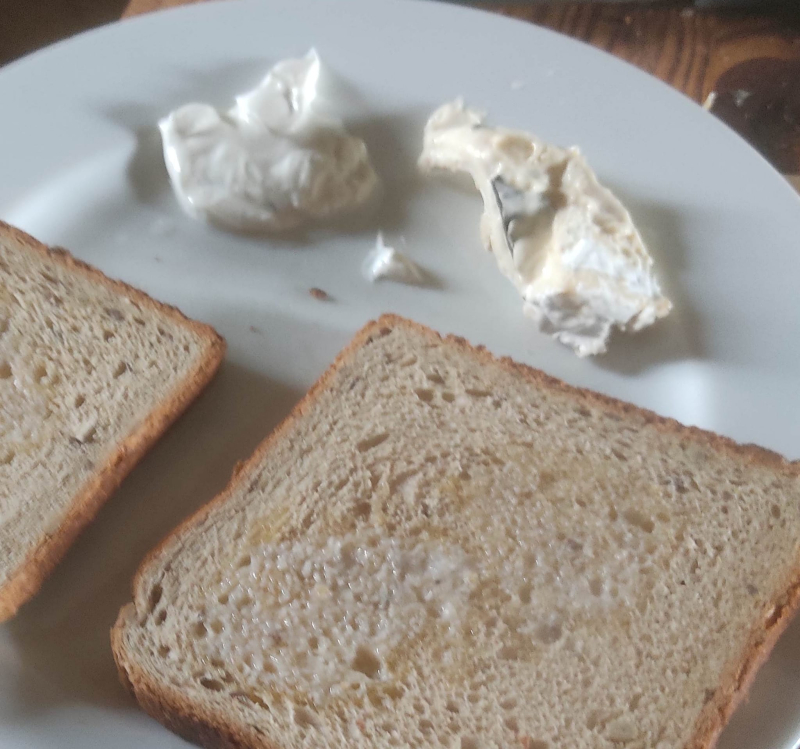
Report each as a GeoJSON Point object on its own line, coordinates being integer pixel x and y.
{"type": "Point", "coordinates": [323, 618]}
{"type": "Point", "coordinates": [565, 241]}
{"type": "Point", "coordinates": [271, 162]}
{"type": "Point", "coordinates": [387, 262]}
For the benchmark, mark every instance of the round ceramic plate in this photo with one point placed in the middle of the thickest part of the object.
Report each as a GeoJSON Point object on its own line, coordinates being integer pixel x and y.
{"type": "Point", "coordinates": [80, 166]}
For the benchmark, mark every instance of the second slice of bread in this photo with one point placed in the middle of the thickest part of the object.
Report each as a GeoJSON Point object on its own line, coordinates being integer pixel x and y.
{"type": "Point", "coordinates": [439, 548]}
{"type": "Point", "coordinates": [92, 372]}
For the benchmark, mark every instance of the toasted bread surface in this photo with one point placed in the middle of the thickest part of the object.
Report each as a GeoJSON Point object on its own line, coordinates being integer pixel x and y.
{"type": "Point", "coordinates": [440, 547]}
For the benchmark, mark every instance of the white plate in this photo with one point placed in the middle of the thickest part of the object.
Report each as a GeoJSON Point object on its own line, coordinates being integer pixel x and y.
{"type": "Point", "coordinates": [80, 166]}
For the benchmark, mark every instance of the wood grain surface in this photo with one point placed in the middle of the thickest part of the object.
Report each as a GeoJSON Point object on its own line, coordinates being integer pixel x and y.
{"type": "Point", "coordinates": [748, 62]}
{"type": "Point", "coordinates": [27, 25]}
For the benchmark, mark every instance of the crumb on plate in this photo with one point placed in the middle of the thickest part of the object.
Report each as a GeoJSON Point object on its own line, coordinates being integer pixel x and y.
{"type": "Point", "coordinates": [323, 296]}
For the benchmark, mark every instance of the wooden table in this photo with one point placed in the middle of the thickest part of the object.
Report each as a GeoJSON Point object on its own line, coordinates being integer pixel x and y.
{"type": "Point", "coordinates": [745, 65]}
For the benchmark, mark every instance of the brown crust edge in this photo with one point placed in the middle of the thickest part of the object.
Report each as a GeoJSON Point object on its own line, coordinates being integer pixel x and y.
{"type": "Point", "coordinates": [173, 710]}
{"type": "Point", "coordinates": [734, 691]}
{"type": "Point", "coordinates": [210, 729]}
{"type": "Point", "coordinates": [29, 576]}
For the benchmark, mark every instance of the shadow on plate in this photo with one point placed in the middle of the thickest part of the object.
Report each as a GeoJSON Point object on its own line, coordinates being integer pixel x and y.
{"type": "Point", "coordinates": [769, 717]}
{"type": "Point", "coordinates": [679, 336]}
{"type": "Point", "coordinates": [62, 635]}
{"type": "Point", "coordinates": [393, 141]}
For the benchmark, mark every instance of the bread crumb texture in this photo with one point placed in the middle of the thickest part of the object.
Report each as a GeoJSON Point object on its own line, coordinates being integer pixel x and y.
{"type": "Point", "coordinates": [442, 552]}
{"type": "Point", "coordinates": [81, 364]}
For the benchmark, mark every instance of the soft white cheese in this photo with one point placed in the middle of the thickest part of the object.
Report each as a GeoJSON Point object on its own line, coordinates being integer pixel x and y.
{"type": "Point", "coordinates": [271, 162]}
{"type": "Point", "coordinates": [387, 262]}
{"type": "Point", "coordinates": [565, 241]}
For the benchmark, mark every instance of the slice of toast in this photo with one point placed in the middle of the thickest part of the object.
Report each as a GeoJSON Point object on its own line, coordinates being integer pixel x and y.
{"type": "Point", "coordinates": [439, 548]}
{"type": "Point", "coordinates": [92, 372]}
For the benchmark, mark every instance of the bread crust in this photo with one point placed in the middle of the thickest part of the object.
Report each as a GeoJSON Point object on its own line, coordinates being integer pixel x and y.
{"type": "Point", "coordinates": [735, 689]}
{"type": "Point", "coordinates": [26, 580]}
{"type": "Point", "coordinates": [173, 710]}
{"type": "Point", "coordinates": [214, 730]}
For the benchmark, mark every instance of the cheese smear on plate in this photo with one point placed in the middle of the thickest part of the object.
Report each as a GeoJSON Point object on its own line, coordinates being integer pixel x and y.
{"type": "Point", "coordinates": [565, 241]}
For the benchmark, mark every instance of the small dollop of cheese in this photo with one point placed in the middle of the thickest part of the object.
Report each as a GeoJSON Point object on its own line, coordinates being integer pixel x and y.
{"type": "Point", "coordinates": [272, 162]}
{"type": "Point", "coordinates": [565, 241]}
{"type": "Point", "coordinates": [389, 263]}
